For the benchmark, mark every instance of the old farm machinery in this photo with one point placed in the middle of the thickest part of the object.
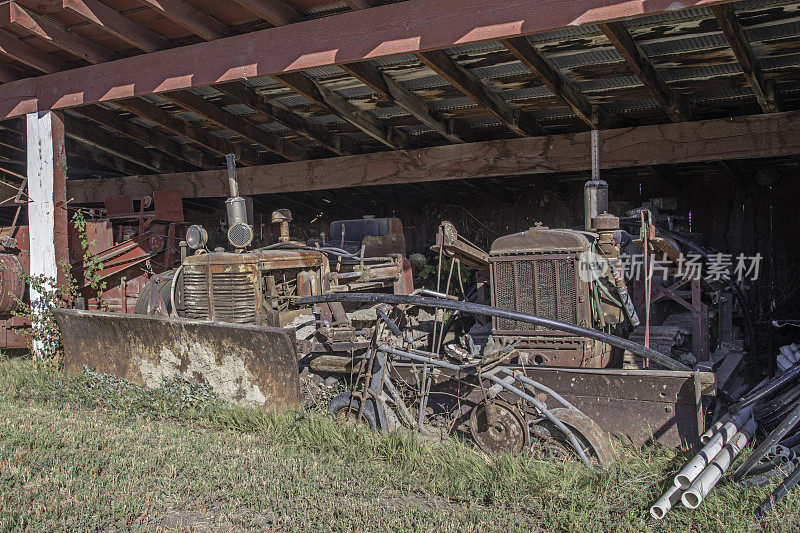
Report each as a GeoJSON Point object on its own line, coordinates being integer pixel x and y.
{"type": "Point", "coordinates": [531, 355]}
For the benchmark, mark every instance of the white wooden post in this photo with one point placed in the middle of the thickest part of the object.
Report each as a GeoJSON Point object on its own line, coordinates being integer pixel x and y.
{"type": "Point", "coordinates": [47, 215]}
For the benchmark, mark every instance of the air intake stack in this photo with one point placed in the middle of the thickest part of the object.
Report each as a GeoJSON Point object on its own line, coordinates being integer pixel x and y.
{"type": "Point", "coordinates": [240, 234]}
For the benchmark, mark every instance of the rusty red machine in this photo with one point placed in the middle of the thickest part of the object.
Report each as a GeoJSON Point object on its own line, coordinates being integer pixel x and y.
{"type": "Point", "coordinates": [127, 246]}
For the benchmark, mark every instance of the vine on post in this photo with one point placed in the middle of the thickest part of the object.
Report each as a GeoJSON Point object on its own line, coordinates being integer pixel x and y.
{"type": "Point", "coordinates": [43, 332]}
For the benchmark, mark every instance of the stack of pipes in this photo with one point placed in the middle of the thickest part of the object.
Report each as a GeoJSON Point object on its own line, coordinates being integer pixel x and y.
{"type": "Point", "coordinates": [726, 439]}
{"type": "Point", "coordinates": [693, 483]}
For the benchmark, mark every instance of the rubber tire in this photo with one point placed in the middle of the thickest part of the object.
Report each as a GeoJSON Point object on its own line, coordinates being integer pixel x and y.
{"type": "Point", "coordinates": [163, 288]}
{"type": "Point", "coordinates": [342, 401]}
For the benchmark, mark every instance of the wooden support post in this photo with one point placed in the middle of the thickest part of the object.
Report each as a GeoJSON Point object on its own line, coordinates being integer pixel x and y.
{"type": "Point", "coordinates": [47, 209]}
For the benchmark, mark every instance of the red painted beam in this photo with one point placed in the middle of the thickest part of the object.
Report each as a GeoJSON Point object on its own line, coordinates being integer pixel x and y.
{"type": "Point", "coordinates": [404, 27]}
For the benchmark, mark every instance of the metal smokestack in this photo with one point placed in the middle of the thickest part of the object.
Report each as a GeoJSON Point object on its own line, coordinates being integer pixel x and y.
{"type": "Point", "coordinates": [240, 234]}
{"type": "Point", "coordinates": [595, 192]}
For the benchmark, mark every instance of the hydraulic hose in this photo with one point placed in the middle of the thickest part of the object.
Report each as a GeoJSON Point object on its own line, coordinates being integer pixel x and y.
{"type": "Point", "coordinates": [487, 310]}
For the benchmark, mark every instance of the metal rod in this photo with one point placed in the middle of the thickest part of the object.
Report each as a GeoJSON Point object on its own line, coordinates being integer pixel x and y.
{"type": "Point", "coordinates": [487, 310]}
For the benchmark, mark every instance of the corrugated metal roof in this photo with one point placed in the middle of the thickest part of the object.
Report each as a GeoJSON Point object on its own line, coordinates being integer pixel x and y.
{"type": "Point", "coordinates": [424, 82]}
{"type": "Point", "coordinates": [502, 70]}
{"type": "Point", "coordinates": [589, 57]}
{"type": "Point", "coordinates": [564, 33]}
{"type": "Point", "coordinates": [527, 93]}
{"type": "Point", "coordinates": [447, 104]}
{"type": "Point", "coordinates": [274, 127]}
{"type": "Point", "coordinates": [388, 112]}
{"type": "Point", "coordinates": [696, 43]}
{"type": "Point", "coordinates": [773, 32]}
{"type": "Point", "coordinates": [710, 71]}
{"type": "Point", "coordinates": [239, 109]}
{"type": "Point", "coordinates": [670, 16]}
{"type": "Point", "coordinates": [605, 84]}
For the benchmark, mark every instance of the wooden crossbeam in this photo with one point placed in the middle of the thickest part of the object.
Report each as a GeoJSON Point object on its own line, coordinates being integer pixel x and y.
{"type": "Point", "coordinates": [761, 136]}
{"type": "Point", "coordinates": [166, 144]}
{"type": "Point", "coordinates": [518, 121]}
{"type": "Point", "coordinates": [451, 129]}
{"type": "Point", "coordinates": [113, 22]}
{"type": "Point", "coordinates": [14, 15]}
{"type": "Point", "coordinates": [375, 128]}
{"type": "Point", "coordinates": [361, 4]}
{"type": "Point", "coordinates": [190, 17]}
{"type": "Point", "coordinates": [119, 147]}
{"type": "Point", "coordinates": [276, 12]}
{"type": "Point", "coordinates": [675, 105]}
{"type": "Point", "coordinates": [337, 143]}
{"type": "Point", "coordinates": [542, 68]}
{"type": "Point", "coordinates": [240, 125]}
{"type": "Point", "coordinates": [729, 24]}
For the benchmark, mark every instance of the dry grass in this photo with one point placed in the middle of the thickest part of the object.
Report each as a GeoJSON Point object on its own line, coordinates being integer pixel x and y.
{"type": "Point", "coordinates": [94, 453]}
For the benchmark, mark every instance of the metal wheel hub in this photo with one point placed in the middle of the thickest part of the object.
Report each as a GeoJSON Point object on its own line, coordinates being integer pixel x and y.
{"type": "Point", "coordinates": [498, 427]}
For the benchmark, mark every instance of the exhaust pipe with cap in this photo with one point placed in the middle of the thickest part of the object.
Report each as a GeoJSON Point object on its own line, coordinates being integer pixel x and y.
{"type": "Point", "coordinates": [240, 234]}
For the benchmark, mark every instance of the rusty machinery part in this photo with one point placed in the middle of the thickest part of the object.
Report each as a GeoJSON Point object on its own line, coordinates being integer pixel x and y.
{"type": "Point", "coordinates": [487, 310]}
{"type": "Point", "coordinates": [498, 427]}
{"type": "Point", "coordinates": [346, 409]}
{"type": "Point", "coordinates": [596, 443]}
{"type": "Point", "coordinates": [282, 217]}
{"type": "Point", "coordinates": [10, 283]}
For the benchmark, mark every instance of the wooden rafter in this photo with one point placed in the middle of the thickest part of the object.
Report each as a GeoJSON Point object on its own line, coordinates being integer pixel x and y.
{"type": "Point", "coordinates": [337, 143]}
{"type": "Point", "coordinates": [673, 102]}
{"type": "Point", "coordinates": [760, 136]}
{"type": "Point", "coordinates": [190, 17]}
{"type": "Point", "coordinates": [361, 4]}
{"type": "Point", "coordinates": [148, 137]}
{"type": "Point", "coordinates": [276, 12]}
{"type": "Point", "coordinates": [322, 96]}
{"type": "Point", "coordinates": [541, 67]}
{"type": "Point", "coordinates": [113, 22]}
{"type": "Point", "coordinates": [518, 121]}
{"type": "Point", "coordinates": [371, 76]}
{"type": "Point", "coordinates": [14, 15]}
{"type": "Point", "coordinates": [29, 55]}
{"type": "Point", "coordinates": [119, 147]}
{"type": "Point", "coordinates": [191, 131]}
{"type": "Point", "coordinates": [239, 125]}
{"type": "Point", "coordinates": [729, 24]}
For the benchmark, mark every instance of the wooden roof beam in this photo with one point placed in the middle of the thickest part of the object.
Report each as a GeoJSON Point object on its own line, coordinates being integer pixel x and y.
{"type": "Point", "coordinates": [337, 143]}
{"type": "Point", "coordinates": [240, 125]}
{"type": "Point", "coordinates": [355, 5]}
{"type": "Point", "coordinates": [276, 12]}
{"type": "Point", "coordinates": [675, 105]}
{"type": "Point", "coordinates": [191, 131]}
{"type": "Point", "coordinates": [165, 143]}
{"type": "Point", "coordinates": [116, 24]}
{"type": "Point", "coordinates": [451, 129]}
{"type": "Point", "coordinates": [528, 55]}
{"type": "Point", "coordinates": [122, 148]}
{"type": "Point", "coordinates": [14, 15]}
{"type": "Point", "coordinates": [375, 128]}
{"type": "Point", "coordinates": [518, 121]}
{"type": "Point", "coordinates": [189, 17]}
{"type": "Point", "coordinates": [729, 24]}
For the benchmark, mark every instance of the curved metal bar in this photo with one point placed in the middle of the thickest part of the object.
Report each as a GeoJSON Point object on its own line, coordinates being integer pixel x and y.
{"type": "Point", "coordinates": [487, 310]}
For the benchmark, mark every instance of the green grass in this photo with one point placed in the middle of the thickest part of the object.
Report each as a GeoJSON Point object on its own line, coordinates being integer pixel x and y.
{"type": "Point", "coordinates": [97, 453]}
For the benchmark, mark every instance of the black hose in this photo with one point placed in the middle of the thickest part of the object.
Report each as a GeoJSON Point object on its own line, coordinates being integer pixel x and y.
{"type": "Point", "coordinates": [769, 443]}
{"type": "Point", "coordinates": [767, 389]}
{"type": "Point", "coordinates": [779, 492]}
{"type": "Point", "coordinates": [487, 310]}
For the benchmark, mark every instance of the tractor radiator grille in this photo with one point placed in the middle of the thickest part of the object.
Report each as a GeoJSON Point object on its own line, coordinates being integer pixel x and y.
{"type": "Point", "coordinates": [540, 286]}
{"type": "Point", "coordinates": [195, 293]}
{"type": "Point", "coordinates": [234, 296]}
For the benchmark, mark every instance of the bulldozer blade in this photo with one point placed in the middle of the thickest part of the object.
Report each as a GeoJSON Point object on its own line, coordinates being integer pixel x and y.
{"type": "Point", "coordinates": [248, 365]}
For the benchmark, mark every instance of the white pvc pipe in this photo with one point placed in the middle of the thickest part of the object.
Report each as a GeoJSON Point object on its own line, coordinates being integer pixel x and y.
{"type": "Point", "coordinates": [706, 481]}
{"type": "Point", "coordinates": [665, 502]}
{"type": "Point", "coordinates": [699, 462]}
{"type": "Point", "coordinates": [705, 437]}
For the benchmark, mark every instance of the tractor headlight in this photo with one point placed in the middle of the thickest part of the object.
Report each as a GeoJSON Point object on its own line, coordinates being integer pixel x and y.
{"type": "Point", "coordinates": [196, 237]}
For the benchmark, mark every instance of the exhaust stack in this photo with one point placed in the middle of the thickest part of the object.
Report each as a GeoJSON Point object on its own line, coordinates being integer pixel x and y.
{"type": "Point", "coordinates": [240, 234]}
